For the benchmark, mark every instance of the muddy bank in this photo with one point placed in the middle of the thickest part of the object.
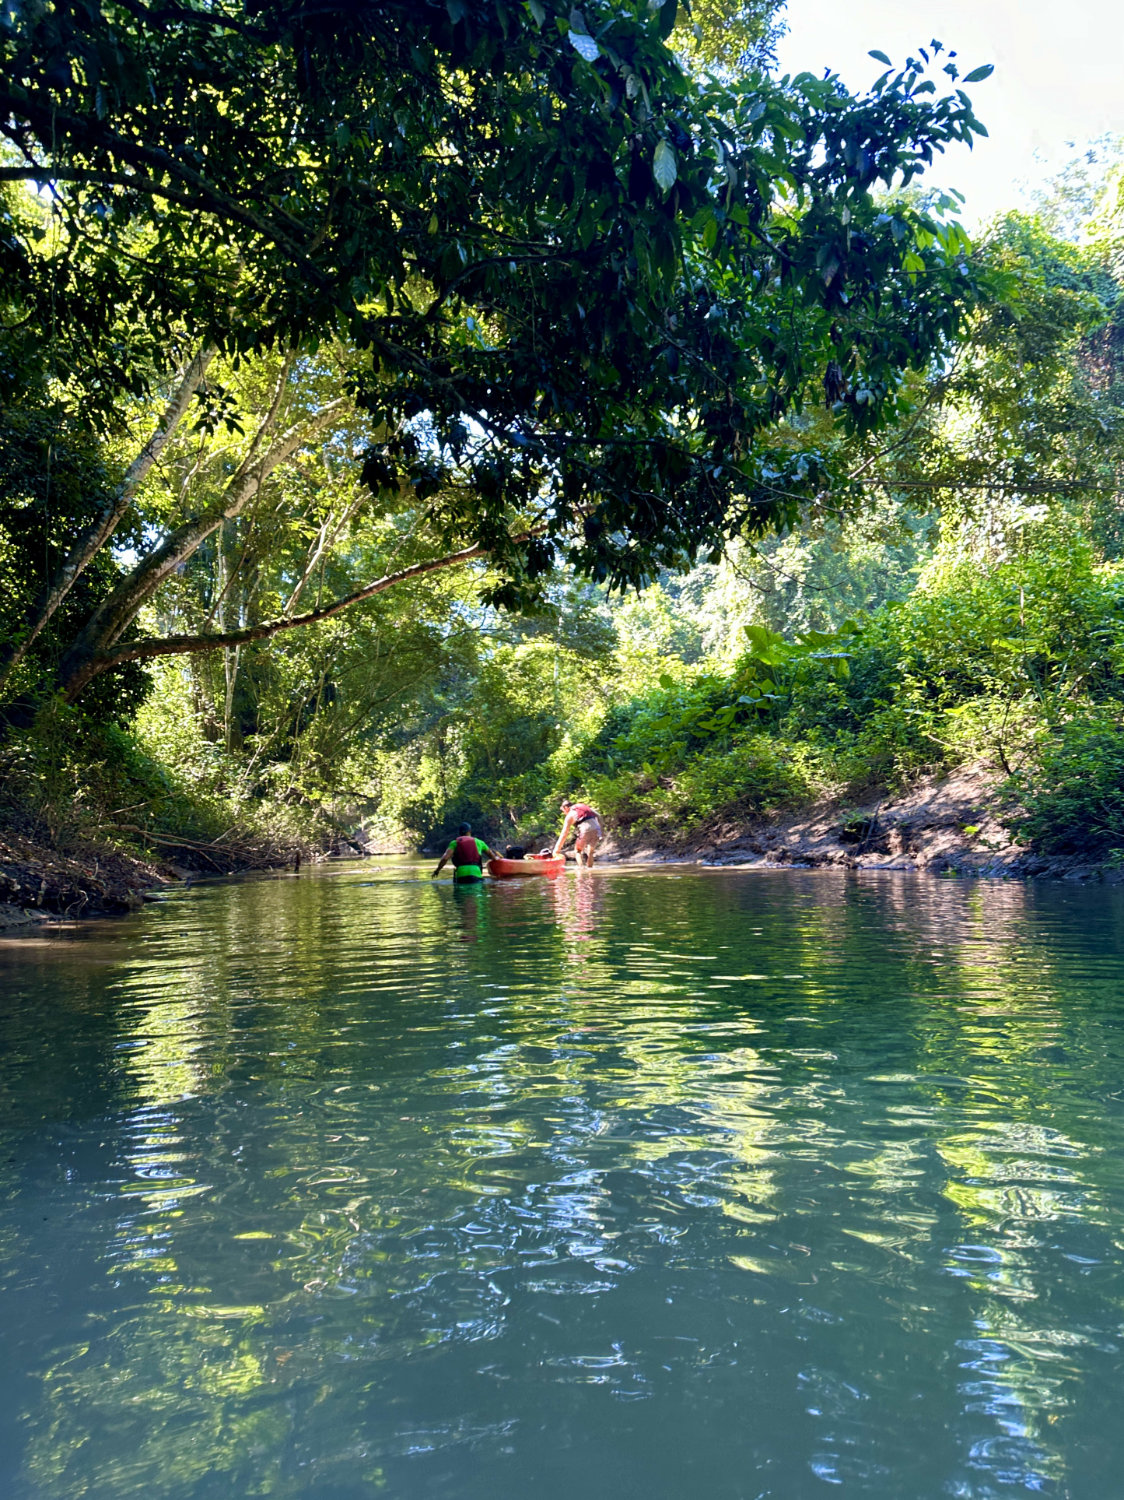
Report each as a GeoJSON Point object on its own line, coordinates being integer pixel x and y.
{"type": "Point", "coordinates": [44, 881]}
{"type": "Point", "coordinates": [952, 826]}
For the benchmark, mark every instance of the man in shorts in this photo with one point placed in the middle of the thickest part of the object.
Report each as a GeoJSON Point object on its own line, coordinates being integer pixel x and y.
{"type": "Point", "coordinates": [587, 825]}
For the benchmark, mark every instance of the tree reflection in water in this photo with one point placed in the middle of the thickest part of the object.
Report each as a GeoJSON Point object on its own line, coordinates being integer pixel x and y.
{"type": "Point", "coordinates": [676, 1178]}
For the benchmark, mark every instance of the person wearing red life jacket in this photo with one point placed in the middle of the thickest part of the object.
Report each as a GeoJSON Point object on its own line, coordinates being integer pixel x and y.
{"type": "Point", "coordinates": [467, 855]}
{"type": "Point", "coordinates": [587, 825]}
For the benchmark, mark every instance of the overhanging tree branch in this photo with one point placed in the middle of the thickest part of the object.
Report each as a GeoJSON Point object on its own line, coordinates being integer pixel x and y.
{"type": "Point", "coordinates": [183, 645]}
{"type": "Point", "coordinates": [49, 123]}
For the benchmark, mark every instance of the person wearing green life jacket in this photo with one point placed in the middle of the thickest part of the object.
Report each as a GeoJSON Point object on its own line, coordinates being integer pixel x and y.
{"type": "Point", "coordinates": [467, 855]}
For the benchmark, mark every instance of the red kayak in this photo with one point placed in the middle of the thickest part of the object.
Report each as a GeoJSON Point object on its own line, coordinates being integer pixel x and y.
{"type": "Point", "coordinates": [505, 869]}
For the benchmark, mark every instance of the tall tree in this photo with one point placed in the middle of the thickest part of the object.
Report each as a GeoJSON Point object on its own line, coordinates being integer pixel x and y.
{"type": "Point", "coordinates": [587, 285]}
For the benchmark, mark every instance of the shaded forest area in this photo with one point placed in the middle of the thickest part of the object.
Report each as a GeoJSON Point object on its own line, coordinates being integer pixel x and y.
{"type": "Point", "coordinates": [417, 413]}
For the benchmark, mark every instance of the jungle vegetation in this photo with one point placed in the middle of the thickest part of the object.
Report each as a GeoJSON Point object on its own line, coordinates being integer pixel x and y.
{"type": "Point", "coordinates": [414, 411]}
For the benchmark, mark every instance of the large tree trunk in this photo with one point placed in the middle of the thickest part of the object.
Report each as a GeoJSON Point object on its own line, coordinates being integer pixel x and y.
{"type": "Point", "coordinates": [108, 518]}
{"type": "Point", "coordinates": [86, 657]}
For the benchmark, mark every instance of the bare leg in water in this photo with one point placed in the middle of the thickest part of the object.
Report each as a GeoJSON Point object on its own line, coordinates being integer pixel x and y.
{"type": "Point", "coordinates": [585, 847]}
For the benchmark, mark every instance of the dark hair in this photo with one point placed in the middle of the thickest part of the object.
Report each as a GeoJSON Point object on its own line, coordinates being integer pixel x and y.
{"type": "Point", "coordinates": [463, 829]}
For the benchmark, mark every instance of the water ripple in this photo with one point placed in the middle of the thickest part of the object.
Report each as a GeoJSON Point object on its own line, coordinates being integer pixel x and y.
{"type": "Point", "coordinates": [688, 1182]}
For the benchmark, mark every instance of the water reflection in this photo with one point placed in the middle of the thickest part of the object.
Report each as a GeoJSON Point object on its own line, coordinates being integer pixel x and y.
{"type": "Point", "coordinates": [678, 1182]}
{"type": "Point", "coordinates": [467, 899]}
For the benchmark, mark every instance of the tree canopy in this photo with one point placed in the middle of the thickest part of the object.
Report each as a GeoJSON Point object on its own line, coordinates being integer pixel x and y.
{"type": "Point", "coordinates": [585, 285]}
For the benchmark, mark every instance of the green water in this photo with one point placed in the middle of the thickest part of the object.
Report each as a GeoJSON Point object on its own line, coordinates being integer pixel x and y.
{"type": "Point", "coordinates": [714, 1183]}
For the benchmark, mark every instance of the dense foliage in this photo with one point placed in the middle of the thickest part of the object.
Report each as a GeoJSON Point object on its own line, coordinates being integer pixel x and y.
{"type": "Point", "coordinates": [985, 588]}
{"type": "Point", "coordinates": [358, 365]}
{"type": "Point", "coordinates": [572, 289]}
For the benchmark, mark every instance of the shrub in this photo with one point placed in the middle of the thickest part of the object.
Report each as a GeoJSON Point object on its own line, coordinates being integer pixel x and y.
{"type": "Point", "coordinates": [1072, 799]}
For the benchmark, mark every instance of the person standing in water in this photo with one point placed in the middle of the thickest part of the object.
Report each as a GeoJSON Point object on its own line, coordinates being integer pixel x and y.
{"type": "Point", "coordinates": [587, 825]}
{"type": "Point", "coordinates": [467, 854]}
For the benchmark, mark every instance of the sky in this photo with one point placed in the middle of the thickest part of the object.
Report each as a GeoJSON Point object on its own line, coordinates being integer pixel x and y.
{"type": "Point", "coordinates": [1058, 80]}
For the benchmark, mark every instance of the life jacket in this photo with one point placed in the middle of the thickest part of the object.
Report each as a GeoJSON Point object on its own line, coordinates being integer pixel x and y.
{"type": "Point", "coordinates": [465, 851]}
{"type": "Point", "coordinates": [581, 812]}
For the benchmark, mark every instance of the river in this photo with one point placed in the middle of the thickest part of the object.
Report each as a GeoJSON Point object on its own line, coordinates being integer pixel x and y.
{"type": "Point", "coordinates": [653, 1184]}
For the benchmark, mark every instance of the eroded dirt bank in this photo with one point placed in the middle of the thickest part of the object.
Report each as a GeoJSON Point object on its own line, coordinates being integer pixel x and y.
{"type": "Point", "coordinates": [43, 881]}
{"type": "Point", "coordinates": [947, 826]}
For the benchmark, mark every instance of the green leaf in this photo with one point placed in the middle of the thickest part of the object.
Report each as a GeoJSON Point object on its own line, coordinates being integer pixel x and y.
{"type": "Point", "coordinates": [585, 46]}
{"type": "Point", "coordinates": [880, 57]}
{"type": "Point", "coordinates": [977, 75]}
{"type": "Point", "coordinates": [664, 168]}
{"type": "Point", "coordinates": [668, 11]}
{"type": "Point", "coordinates": [537, 10]}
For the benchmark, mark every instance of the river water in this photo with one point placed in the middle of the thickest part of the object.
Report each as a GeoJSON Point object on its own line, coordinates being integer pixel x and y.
{"type": "Point", "coordinates": [633, 1184]}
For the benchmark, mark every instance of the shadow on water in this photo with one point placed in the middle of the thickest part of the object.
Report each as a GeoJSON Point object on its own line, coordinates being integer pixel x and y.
{"type": "Point", "coordinates": [744, 1184]}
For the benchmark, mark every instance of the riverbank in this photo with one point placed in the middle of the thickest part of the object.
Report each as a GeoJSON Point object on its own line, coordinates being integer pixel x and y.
{"type": "Point", "coordinates": [948, 826]}
{"type": "Point", "coordinates": [44, 880]}
{"type": "Point", "coordinates": [951, 825]}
